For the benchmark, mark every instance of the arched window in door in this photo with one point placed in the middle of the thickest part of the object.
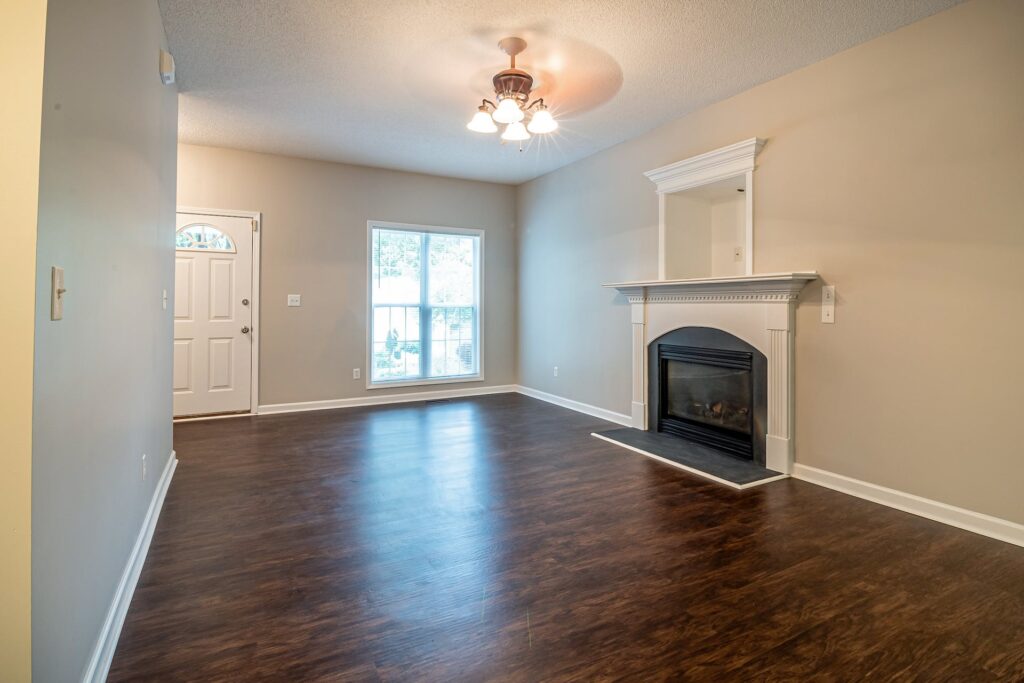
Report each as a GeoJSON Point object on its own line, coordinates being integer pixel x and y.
{"type": "Point", "coordinates": [200, 236]}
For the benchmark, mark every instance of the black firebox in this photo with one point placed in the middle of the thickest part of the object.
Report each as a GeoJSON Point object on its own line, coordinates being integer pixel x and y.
{"type": "Point", "coordinates": [706, 396]}
{"type": "Point", "coordinates": [713, 393]}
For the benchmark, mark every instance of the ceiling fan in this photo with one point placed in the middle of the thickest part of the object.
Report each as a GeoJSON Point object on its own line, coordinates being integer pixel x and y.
{"type": "Point", "coordinates": [512, 91]}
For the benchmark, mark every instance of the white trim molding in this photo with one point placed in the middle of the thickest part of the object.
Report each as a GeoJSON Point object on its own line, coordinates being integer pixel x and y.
{"type": "Point", "coordinates": [389, 399]}
{"type": "Point", "coordinates": [103, 650]}
{"type": "Point", "coordinates": [765, 288]}
{"type": "Point", "coordinates": [758, 309]}
{"type": "Point", "coordinates": [726, 162]}
{"type": "Point", "coordinates": [585, 408]}
{"type": "Point", "coordinates": [968, 520]}
{"type": "Point", "coordinates": [384, 399]}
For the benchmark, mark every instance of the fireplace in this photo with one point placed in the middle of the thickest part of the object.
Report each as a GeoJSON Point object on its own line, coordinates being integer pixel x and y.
{"type": "Point", "coordinates": [710, 387]}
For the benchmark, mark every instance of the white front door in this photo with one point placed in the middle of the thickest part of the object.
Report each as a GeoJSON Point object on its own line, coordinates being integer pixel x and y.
{"type": "Point", "coordinates": [212, 314]}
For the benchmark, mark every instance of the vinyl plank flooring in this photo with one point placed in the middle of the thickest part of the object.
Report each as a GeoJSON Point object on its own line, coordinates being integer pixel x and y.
{"type": "Point", "coordinates": [494, 539]}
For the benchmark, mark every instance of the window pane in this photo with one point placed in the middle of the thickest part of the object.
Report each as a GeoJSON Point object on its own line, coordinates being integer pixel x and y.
{"type": "Point", "coordinates": [452, 337]}
{"type": "Point", "coordinates": [200, 236]}
{"type": "Point", "coordinates": [451, 270]}
{"type": "Point", "coordinates": [395, 276]}
{"type": "Point", "coordinates": [396, 342]}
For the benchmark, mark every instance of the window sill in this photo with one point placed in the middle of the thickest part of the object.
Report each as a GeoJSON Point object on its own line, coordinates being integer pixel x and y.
{"type": "Point", "coordinates": [425, 382]}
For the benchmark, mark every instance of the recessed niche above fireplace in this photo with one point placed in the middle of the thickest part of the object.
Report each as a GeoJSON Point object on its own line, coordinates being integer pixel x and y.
{"type": "Point", "coordinates": [706, 213]}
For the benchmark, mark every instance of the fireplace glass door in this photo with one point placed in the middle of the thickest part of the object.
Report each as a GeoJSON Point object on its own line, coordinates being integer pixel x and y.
{"type": "Point", "coordinates": [715, 396]}
{"type": "Point", "coordinates": [706, 395]}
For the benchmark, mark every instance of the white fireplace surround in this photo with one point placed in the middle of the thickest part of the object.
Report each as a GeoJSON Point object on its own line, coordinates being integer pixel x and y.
{"type": "Point", "coordinates": [759, 309]}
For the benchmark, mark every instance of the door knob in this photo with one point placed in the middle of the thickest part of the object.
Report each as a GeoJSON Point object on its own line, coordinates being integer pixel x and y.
{"type": "Point", "coordinates": [245, 302]}
{"type": "Point", "coordinates": [245, 330]}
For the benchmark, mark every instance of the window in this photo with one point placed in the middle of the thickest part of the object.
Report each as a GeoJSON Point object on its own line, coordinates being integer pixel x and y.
{"type": "Point", "coordinates": [424, 304]}
{"type": "Point", "coordinates": [201, 236]}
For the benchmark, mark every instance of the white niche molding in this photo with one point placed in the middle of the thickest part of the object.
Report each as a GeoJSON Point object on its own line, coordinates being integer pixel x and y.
{"type": "Point", "coordinates": [706, 213]}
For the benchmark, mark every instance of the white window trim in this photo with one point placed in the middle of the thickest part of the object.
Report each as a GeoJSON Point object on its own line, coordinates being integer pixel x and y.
{"type": "Point", "coordinates": [413, 227]}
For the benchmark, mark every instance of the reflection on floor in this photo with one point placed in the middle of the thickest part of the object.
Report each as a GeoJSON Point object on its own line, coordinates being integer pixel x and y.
{"type": "Point", "coordinates": [495, 539]}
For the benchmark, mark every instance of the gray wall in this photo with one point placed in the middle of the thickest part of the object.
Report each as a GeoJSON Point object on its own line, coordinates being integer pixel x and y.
{"type": "Point", "coordinates": [314, 244]}
{"type": "Point", "coordinates": [894, 170]}
{"type": "Point", "coordinates": [103, 373]}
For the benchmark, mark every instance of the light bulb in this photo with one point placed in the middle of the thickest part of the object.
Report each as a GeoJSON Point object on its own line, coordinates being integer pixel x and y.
{"type": "Point", "coordinates": [515, 132]}
{"type": "Point", "coordinates": [508, 111]}
{"type": "Point", "coordinates": [542, 122]}
{"type": "Point", "coordinates": [482, 122]}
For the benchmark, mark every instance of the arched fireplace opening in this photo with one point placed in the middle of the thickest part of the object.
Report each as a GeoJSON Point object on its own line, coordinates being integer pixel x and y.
{"type": "Point", "coordinates": [710, 387]}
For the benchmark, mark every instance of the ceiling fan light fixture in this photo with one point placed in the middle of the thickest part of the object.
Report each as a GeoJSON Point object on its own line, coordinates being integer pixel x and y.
{"type": "Point", "coordinates": [515, 132]}
{"type": "Point", "coordinates": [482, 121]}
{"type": "Point", "coordinates": [508, 111]}
{"type": "Point", "coordinates": [542, 121]}
{"type": "Point", "coordinates": [512, 88]}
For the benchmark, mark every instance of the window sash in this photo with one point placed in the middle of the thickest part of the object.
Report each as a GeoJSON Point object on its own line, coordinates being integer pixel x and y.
{"type": "Point", "coordinates": [426, 341]}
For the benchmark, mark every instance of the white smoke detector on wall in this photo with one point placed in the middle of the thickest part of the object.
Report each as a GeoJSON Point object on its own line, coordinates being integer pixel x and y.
{"type": "Point", "coordinates": [166, 67]}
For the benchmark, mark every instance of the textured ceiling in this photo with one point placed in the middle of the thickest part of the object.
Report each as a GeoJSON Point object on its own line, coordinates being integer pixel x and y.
{"type": "Point", "coordinates": [392, 83]}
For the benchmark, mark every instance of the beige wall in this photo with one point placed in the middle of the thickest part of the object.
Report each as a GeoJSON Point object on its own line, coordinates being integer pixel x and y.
{"type": "Point", "coordinates": [102, 394]}
{"type": "Point", "coordinates": [22, 34]}
{"type": "Point", "coordinates": [894, 169]}
{"type": "Point", "coordinates": [314, 244]}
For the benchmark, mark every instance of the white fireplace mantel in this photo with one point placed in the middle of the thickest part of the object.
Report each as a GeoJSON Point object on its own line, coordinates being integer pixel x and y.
{"type": "Point", "coordinates": [756, 308]}
{"type": "Point", "coordinates": [740, 288]}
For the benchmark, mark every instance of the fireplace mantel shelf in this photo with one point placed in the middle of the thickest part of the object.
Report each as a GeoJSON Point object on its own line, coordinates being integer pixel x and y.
{"type": "Point", "coordinates": [740, 288]}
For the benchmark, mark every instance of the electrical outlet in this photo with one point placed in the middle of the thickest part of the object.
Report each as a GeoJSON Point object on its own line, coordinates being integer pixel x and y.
{"type": "Point", "coordinates": [828, 304]}
{"type": "Point", "coordinates": [737, 253]}
{"type": "Point", "coordinates": [356, 373]}
{"type": "Point", "coordinates": [294, 299]}
{"type": "Point", "coordinates": [143, 467]}
{"type": "Point", "coordinates": [556, 371]}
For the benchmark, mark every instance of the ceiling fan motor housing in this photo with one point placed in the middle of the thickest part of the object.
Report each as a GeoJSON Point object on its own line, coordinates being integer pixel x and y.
{"type": "Point", "coordinates": [514, 83]}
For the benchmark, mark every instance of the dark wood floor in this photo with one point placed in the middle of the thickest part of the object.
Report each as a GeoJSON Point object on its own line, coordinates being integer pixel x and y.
{"type": "Point", "coordinates": [494, 539]}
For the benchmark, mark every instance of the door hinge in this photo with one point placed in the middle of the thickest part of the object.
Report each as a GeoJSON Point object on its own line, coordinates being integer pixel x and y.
{"type": "Point", "coordinates": [254, 224]}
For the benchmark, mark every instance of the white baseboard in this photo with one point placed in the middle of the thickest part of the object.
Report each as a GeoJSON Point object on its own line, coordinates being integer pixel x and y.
{"type": "Point", "coordinates": [275, 408]}
{"type": "Point", "coordinates": [205, 418]}
{"type": "Point", "coordinates": [976, 522]}
{"type": "Point", "coordinates": [103, 650]}
{"type": "Point", "coordinates": [594, 411]}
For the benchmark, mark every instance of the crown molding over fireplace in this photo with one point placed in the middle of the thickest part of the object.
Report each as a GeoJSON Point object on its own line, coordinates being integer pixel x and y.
{"type": "Point", "coordinates": [703, 169]}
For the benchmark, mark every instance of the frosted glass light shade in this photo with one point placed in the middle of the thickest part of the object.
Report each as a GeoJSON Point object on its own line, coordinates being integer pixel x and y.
{"type": "Point", "coordinates": [508, 111]}
{"type": "Point", "coordinates": [482, 122]}
{"type": "Point", "coordinates": [515, 132]}
{"type": "Point", "coordinates": [542, 122]}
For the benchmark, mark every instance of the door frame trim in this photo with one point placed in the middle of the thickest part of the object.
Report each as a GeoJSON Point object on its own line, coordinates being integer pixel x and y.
{"type": "Point", "coordinates": [257, 218]}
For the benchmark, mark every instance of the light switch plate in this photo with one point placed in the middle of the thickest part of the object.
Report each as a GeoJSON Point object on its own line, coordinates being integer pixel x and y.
{"type": "Point", "coordinates": [294, 299]}
{"type": "Point", "coordinates": [828, 304]}
{"type": "Point", "coordinates": [57, 293]}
